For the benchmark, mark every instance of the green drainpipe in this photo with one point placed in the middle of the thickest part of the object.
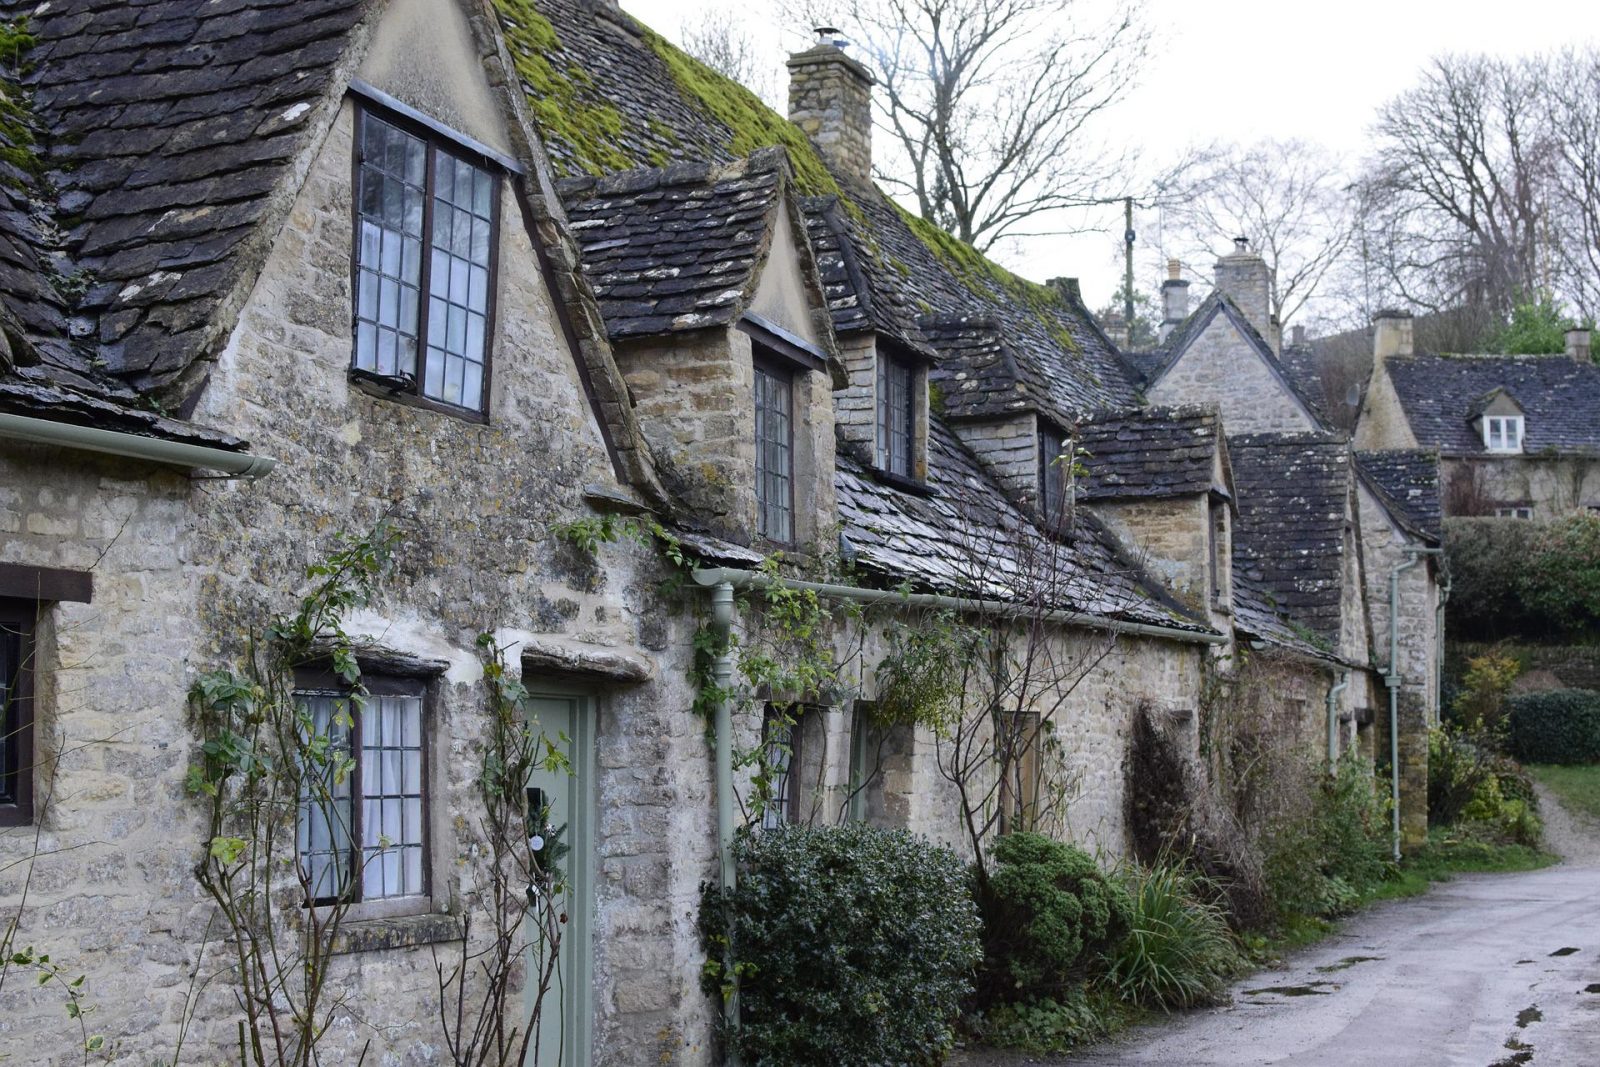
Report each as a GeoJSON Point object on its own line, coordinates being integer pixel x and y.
{"type": "Point", "coordinates": [134, 446]}
{"type": "Point", "coordinates": [722, 676]}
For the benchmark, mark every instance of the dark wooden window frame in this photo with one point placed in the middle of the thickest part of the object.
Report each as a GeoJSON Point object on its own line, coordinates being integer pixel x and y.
{"type": "Point", "coordinates": [19, 619]}
{"type": "Point", "coordinates": [1053, 481]}
{"type": "Point", "coordinates": [891, 365]}
{"type": "Point", "coordinates": [1220, 549]}
{"type": "Point", "coordinates": [764, 363]}
{"type": "Point", "coordinates": [434, 138]}
{"type": "Point", "coordinates": [326, 683]}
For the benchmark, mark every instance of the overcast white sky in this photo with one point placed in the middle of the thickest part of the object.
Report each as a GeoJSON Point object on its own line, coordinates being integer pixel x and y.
{"type": "Point", "coordinates": [1239, 70]}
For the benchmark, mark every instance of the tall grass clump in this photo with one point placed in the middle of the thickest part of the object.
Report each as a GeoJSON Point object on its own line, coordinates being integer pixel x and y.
{"type": "Point", "coordinates": [1179, 951]}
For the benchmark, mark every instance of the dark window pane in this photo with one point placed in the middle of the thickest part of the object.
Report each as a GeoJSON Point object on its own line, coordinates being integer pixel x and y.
{"type": "Point", "coordinates": [390, 219]}
{"type": "Point", "coordinates": [774, 455]}
{"type": "Point", "coordinates": [896, 415]}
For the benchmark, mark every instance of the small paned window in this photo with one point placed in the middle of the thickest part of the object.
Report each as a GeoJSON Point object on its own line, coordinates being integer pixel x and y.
{"type": "Point", "coordinates": [425, 239]}
{"type": "Point", "coordinates": [1517, 511]}
{"type": "Point", "coordinates": [1502, 433]}
{"type": "Point", "coordinates": [17, 619]}
{"type": "Point", "coordinates": [1054, 462]}
{"type": "Point", "coordinates": [362, 835]}
{"type": "Point", "coordinates": [780, 734]}
{"type": "Point", "coordinates": [774, 454]}
{"type": "Point", "coordinates": [897, 415]}
{"type": "Point", "coordinates": [1219, 551]}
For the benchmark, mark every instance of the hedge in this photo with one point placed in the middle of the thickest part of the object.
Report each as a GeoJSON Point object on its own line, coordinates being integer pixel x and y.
{"type": "Point", "coordinates": [1523, 579]}
{"type": "Point", "coordinates": [1556, 726]}
{"type": "Point", "coordinates": [853, 944]}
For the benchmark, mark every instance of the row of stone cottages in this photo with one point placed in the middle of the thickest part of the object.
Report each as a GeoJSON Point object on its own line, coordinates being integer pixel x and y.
{"type": "Point", "coordinates": [272, 271]}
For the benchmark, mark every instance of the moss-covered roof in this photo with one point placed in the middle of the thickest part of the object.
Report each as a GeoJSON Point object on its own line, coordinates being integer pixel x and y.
{"type": "Point", "coordinates": [612, 95]}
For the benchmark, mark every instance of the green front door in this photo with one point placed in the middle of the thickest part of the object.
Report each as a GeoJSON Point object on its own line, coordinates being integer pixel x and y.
{"type": "Point", "coordinates": [566, 1028]}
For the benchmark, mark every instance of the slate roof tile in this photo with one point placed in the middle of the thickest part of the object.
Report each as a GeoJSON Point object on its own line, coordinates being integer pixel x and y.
{"type": "Point", "coordinates": [1407, 482]}
{"type": "Point", "coordinates": [967, 539]}
{"type": "Point", "coordinates": [1292, 498]}
{"type": "Point", "coordinates": [1149, 453]}
{"type": "Point", "coordinates": [1560, 398]}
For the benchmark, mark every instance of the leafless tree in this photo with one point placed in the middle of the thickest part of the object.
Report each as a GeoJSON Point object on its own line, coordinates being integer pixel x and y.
{"type": "Point", "coordinates": [1292, 199]}
{"type": "Point", "coordinates": [722, 41]}
{"type": "Point", "coordinates": [1572, 101]}
{"type": "Point", "coordinates": [1456, 196]}
{"type": "Point", "coordinates": [991, 105]}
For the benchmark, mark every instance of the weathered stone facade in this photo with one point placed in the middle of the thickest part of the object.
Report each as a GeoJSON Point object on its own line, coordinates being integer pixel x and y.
{"type": "Point", "coordinates": [1221, 366]}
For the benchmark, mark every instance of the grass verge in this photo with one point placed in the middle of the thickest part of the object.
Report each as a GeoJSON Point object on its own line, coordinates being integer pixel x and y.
{"type": "Point", "coordinates": [1577, 787]}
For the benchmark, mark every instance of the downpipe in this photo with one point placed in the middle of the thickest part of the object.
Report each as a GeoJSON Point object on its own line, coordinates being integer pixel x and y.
{"type": "Point", "coordinates": [1334, 690]}
{"type": "Point", "coordinates": [1392, 679]}
{"type": "Point", "coordinates": [722, 676]}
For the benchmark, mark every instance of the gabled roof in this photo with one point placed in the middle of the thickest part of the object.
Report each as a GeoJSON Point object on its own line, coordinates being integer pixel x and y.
{"type": "Point", "coordinates": [966, 538]}
{"type": "Point", "coordinates": [1559, 396]}
{"type": "Point", "coordinates": [1155, 365]}
{"type": "Point", "coordinates": [674, 248]}
{"type": "Point", "coordinates": [162, 127]}
{"type": "Point", "coordinates": [1256, 614]}
{"type": "Point", "coordinates": [1150, 453]}
{"type": "Point", "coordinates": [610, 95]}
{"type": "Point", "coordinates": [1293, 492]}
{"type": "Point", "coordinates": [1406, 482]}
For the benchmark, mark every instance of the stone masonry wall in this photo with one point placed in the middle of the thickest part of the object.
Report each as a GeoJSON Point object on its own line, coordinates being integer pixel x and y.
{"type": "Point", "coordinates": [1220, 367]}
{"type": "Point", "coordinates": [1171, 538]}
{"type": "Point", "coordinates": [184, 570]}
{"type": "Point", "coordinates": [1009, 449]}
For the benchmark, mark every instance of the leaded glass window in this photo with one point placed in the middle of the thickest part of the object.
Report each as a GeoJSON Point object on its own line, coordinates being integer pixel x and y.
{"type": "Point", "coordinates": [16, 711]}
{"type": "Point", "coordinates": [774, 454]}
{"type": "Point", "coordinates": [1053, 464]}
{"type": "Point", "coordinates": [362, 833]}
{"type": "Point", "coordinates": [897, 415]}
{"type": "Point", "coordinates": [425, 237]}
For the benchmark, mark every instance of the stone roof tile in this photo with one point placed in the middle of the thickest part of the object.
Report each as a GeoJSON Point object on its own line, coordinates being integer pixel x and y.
{"type": "Point", "coordinates": [1149, 452]}
{"type": "Point", "coordinates": [1407, 482]}
{"type": "Point", "coordinates": [1559, 397]}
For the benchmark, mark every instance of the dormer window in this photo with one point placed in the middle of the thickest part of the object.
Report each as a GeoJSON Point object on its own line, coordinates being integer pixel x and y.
{"type": "Point", "coordinates": [897, 415]}
{"type": "Point", "coordinates": [424, 252]}
{"type": "Point", "coordinates": [774, 389]}
{"type": "Point", "coordinates": [1502, 433]}
{"type": "Point", "coordinates": [1055, 463]}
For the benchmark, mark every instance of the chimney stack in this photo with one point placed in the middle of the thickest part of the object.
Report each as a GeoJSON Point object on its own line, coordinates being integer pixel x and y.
{"type": "Point", "coordinates": [1578, 346]}
{"type": "Point", "coordinates": [1067, 289]}
{"type": "Point", "coordinates": [1174, 299]}
{"type": "Point", "coordinates": [830, 98]}
{"type": "Point", "coordinates": [1243, 277]}
{"type": "Point", "coordinates": [1391, 335]}
{"type": "Point", "coordinates": [1297, 336]}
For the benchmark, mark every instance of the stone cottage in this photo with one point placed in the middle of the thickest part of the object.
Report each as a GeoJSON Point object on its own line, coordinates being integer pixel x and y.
{"type": "Point", "coordinates": [490, 272]}
{"type": "Point", "coordinates": [1517, 436]}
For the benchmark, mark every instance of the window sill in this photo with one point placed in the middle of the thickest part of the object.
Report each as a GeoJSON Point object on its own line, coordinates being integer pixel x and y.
{"type": "Point", "coordinates": [904, 482]}
{"type": "Point", "coordinates": [375, 387]}
{"type": "Point", "coordinates": [406, 931]}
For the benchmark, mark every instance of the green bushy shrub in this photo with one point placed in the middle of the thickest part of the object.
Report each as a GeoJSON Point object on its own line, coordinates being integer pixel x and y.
{"type": "Point", "coordinates": [1536, 580]}
{"type": "Point", "coordinates": [853, 945]}
{"type": "Point", "coordinates": [1082, 1015]}
{"type": "Point", "coordinates": [1556, 726]}
{"type": "Point", "coordinates": [1179, 951]}
{"type": "Point", "coordinates": [1470, 782]}
{"type": "Point", "coordinates": [1320, 865]}
{"type": "Point", "coordinates": [1049, 913]}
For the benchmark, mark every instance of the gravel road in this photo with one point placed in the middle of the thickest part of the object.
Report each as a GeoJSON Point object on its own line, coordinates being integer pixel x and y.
{"type": "Point", "coordinates": [1483, 971]}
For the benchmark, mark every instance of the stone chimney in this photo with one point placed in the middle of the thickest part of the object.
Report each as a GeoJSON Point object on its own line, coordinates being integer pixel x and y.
{"type": "Point", "coordinates": [1391, 335]}
{"type": "Point", "coordinates": [1578, 346]}
{"type": "Point", "coordinates": [1174, 299]}
{"type": "Point", "coordinates": [1067, 289]}
{"type": "Point", "coordinates": [1243, 277]}
{"type": "Point", "coordinates": [1297, 337]}
{"type": "Point", "coordinates": [830, 98]}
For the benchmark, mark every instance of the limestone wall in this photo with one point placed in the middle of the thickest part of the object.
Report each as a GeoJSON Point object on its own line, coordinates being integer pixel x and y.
{"type": "Point", "coordinates": [1220, 367]}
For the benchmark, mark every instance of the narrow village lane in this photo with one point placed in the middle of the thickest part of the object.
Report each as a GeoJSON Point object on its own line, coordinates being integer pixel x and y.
{"type": "Point", "coordinates": [1484, 971]}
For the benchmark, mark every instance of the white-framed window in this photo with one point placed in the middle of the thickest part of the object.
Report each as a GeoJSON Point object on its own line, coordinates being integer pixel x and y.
{"type": "Point", "coordinates": [1502, 433]}
{"type": "Point", "coordinates": [1515, 511]}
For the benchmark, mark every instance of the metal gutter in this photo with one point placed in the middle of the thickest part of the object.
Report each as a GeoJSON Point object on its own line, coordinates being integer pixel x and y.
{"type": "Point", "coordinates": [745, 579]}
{"type": "Point", "coordinates": [134, 446]}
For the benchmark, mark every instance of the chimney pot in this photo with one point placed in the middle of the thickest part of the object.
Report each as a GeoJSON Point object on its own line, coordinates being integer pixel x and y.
{"type": "Point", "coordinates": [1244, 278]}
{"type": "Point", "coordinates": [1174, 300]}
{"type": "Point", "coordinates": [1578, 346]}
{"type": "Point", "coordinates": [1174, 270]}
{"type": "Point", "coordinates": [1391, 335]}
{"type": "Point", "coordinates": [830, 98]}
